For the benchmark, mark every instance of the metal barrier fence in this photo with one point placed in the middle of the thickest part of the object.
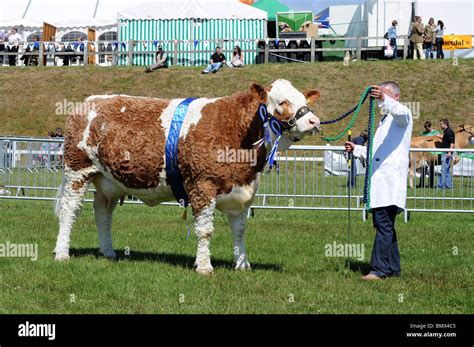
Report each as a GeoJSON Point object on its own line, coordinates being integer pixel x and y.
{"type": "Point", "coordinates": [305, 177]}
{"type": "Point", "coordinates": [185, 52]}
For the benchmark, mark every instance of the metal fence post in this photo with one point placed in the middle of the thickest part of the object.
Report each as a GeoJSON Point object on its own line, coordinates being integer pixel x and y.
{"type": "Point", "coordinates": [130, 52]}
{"type": "Point", "coordinates": [175, 52]}
{"type": "Point", "coordinates": [313, 47]}
{"type": "Point", "coordinates": [359, 46]}
{"type": "Point", "coordinates": [85, 54]}
{"type": "Point", "coordinates": [41, 54]}
{"type": "Point", "coordinates": [405, 47]}
{"type": "Point", "coordinates": [267, 53]}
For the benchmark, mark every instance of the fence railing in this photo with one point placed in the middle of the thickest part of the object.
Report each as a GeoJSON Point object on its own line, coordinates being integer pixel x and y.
{"type": "Point", "coordinates": [304, 178]}
{"type": "Point", "coordinates": [185, 52]}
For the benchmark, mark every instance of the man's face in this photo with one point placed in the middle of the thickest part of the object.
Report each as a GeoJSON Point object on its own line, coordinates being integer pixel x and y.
{"type": "Point", "coordinates": [387, 90]}
{"type": "Point", "coordinates": [442, 125]}
{"type": "Point", "coordinates": [218, 50]}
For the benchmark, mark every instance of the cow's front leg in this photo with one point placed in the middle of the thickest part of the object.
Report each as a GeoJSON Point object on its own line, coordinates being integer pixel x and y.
{"type": "Point", "coordinates": [204, 227]}
{"type": "Point", "coordinates": [238, 225]}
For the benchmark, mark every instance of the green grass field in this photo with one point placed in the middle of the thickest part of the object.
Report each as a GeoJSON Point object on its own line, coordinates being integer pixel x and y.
{"type": "Point", "coordinates": [291, 273]}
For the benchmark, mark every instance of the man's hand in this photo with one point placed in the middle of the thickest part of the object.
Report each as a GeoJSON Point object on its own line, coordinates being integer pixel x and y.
{"type": "Point", "coordinates": [448, 155]}
{"type": "Point", "coordinates": [377, 93]}
{"type": "Point", "coordinates": [349, 146]}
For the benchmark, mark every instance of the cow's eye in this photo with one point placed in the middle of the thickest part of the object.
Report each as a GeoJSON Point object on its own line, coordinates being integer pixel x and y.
{"type": "Point", "coordinates": [281, 103]}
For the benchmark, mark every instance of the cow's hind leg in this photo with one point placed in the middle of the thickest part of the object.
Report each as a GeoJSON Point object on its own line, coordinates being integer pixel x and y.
{"type": "Point", "coordinates": [103, 210]}
{"type": "Point", "coordinates": [238, 225]}
{"type": "Point", "coordinates": [68, 206]}
{"type": "Point", "coordinates": [106, 199]}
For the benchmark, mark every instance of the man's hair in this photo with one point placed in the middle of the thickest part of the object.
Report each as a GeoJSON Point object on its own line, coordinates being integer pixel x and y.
{"type": "Point", "coordinates": [394, 22]}
{"type": "Point", "coordinates": [445, 121]}
{"type": "Point", "coordinates": [364, 133]}
{"type": "Point", "coordinates": [218, 47]}
{"type": "Point", "coordinates": [427, 124]}
{"type": "Point", "coordinates": [392, 85]}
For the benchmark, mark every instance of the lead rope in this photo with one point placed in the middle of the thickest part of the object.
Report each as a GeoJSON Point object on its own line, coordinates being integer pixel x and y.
{"type": "Point", "coordinates": [369, 161]}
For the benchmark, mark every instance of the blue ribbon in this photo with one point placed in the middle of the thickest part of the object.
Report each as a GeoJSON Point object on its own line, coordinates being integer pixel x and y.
{"type": "Point", "coordinates": [272, 124]}
{"type": "Point", "coordinates": [173, 176]}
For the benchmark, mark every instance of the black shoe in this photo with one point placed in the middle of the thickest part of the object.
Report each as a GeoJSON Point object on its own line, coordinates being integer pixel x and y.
{"type": "Point", "coordinates": [214, 71]}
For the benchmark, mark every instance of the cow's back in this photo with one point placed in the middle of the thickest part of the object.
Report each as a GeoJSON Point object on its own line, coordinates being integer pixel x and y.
{"type": "Point", "coordinates": [123, 136]}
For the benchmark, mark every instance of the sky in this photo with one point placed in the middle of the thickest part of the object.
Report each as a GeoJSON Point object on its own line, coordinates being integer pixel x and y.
{"type": "Point", "coordinates": [316, 5]}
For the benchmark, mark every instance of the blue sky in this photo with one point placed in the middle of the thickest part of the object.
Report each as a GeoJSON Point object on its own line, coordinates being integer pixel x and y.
{"type": "Point", "coordinates": [316, 5]}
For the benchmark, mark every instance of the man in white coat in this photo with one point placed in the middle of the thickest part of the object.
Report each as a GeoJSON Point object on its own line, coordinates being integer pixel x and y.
{"type": "Point", "coordinates": [388, 191]}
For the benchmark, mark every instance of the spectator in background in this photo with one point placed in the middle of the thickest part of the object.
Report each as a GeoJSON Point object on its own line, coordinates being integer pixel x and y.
{"type": "Point", "coordinates": [445, 180]}
{"type": "Point", "coordinates": [47, 151]}
{"type": "Point", "coordinates": [429, 38]}
{"type": "Point", "coordinates": [417, 38]}
{"type": "Point", "coordinates": [439, 40]}
{"type": "Point", "coordinates": [59, 133]}
{"type": "Point", "coordinates": [59, 146]}
{"type": "Point", "coordinates": [360, 141]}
{"type": "Point", "coordinates": [13, 44]}
{"type": "Point", "coordinates": [429, 131]}
{"type": "Point", "coordinates": [216, 62]}
{"type": "Point", "coordinates": [236, 60]}
{"type": "Point", "coordinates": [160, 60]}
{"type": "Point", "coordinates": [392, 37]}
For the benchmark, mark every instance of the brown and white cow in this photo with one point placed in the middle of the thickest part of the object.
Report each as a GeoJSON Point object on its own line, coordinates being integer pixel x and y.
{"type": "Point", "coordinates": [119, 145]}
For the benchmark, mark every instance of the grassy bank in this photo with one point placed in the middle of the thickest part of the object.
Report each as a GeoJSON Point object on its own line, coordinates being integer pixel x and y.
{"type": "Point", "coordinates": [30, 95]}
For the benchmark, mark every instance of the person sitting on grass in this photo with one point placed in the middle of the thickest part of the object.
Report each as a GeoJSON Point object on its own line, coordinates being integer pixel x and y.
{"type": "Point", "coordinates": [160, 61]}
{"type": "Point", "coordinates": [236, 60]}
{"type": "Point", "coordinates": [216, 62]}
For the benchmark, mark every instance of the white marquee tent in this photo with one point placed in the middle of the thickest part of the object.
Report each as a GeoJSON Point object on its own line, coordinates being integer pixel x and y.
{"type": "Point", "coordinates": [67, 15]}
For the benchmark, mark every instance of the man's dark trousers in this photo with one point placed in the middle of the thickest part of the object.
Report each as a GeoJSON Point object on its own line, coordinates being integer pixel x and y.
{"type": "Point", "coordinates": [385, 256]}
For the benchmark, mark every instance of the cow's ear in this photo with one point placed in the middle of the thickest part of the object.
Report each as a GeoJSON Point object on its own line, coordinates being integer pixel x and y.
{"type": "Point", "coordinates": [259, 92]}
{"type": "Point", "coordinates": [311, 96]}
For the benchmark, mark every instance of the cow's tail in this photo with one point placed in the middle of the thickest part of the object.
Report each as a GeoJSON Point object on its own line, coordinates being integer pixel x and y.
{"type": "Point", "coordinates": [59, 195]}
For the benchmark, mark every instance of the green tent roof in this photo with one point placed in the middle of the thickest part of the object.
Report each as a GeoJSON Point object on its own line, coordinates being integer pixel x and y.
{"type": "Point", "coordinates": [271, 7]}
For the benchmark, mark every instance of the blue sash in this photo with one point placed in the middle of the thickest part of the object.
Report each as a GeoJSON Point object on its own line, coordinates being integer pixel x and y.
{"type": "Point", "coordinates": [173, 176]}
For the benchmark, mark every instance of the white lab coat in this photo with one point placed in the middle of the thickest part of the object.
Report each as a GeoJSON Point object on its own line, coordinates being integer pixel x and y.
{"type": "Point", "coordinates": [391, 155]}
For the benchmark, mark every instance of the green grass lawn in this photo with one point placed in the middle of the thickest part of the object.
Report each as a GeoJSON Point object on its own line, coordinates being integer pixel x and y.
{"type": "Point", "coordinates": [286, 250]}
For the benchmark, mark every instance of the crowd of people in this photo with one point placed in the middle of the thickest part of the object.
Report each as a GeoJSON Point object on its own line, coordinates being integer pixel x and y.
{"type": "Point", "coordinates": [11, 41]}
{"type": "Point", "coordinates": [423, 39]}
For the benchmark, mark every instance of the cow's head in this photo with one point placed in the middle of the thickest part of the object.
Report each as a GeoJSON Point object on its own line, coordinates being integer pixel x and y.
{"type": "Point", "coordinates": [290, 107]}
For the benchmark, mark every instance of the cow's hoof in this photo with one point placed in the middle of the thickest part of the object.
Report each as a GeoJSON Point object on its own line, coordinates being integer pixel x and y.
{"type": "Point", "coordinates": [243, 266]}
{"type": "Point", "coordinates": [205, 271]}
{"type": "Point", "coordinates": [109, 254]}
{"type": "Point", "coordinates": [62, 257]}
